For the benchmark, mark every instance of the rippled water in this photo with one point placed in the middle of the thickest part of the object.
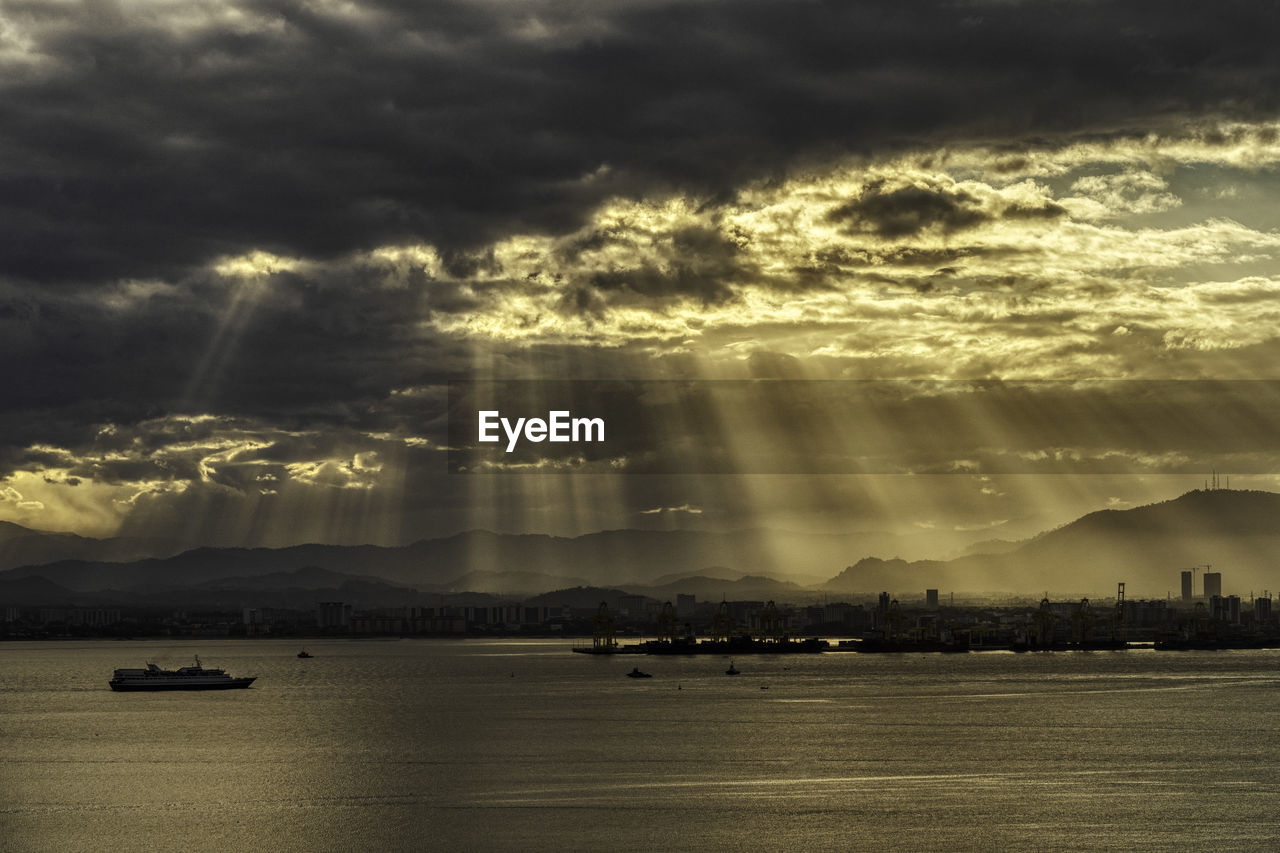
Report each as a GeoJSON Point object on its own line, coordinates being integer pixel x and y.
{"type": "Point", "coordinates": [486, 745]}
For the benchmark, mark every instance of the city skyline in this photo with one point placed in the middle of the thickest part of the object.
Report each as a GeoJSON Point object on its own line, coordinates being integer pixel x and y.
{"type": "Point", "coordinates": [639, 424]}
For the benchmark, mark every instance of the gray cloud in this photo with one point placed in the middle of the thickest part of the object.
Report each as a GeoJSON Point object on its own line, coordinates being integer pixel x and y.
{"type": "Point", "coordinates": [908, 211]}
{"type": "Point", "coordinates": [137, 149]}
{"type": "Point", "coordinates": [140, 147]}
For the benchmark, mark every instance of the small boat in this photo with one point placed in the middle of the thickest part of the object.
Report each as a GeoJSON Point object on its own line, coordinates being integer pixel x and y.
{"type": "Point", "coordinates": [303, 654]}
{"type": "Point", "coordinates": [732, 670]}
{"type": "Point", "coordinates": [636, 673]}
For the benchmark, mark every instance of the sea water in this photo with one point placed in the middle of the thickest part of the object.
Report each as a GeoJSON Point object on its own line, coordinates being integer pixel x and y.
{"type": "Point", "coordinates": [521, 745]}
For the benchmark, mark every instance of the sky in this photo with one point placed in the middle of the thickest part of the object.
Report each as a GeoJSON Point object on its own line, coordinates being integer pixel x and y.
{"type": "Point", "coordinates": [973, 268]}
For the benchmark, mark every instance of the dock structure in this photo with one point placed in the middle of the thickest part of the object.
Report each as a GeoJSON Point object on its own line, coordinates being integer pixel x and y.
{"type": "Point", "coordinates": [725, 639]}
{"type": "Point", "coordinates": [737, 645]}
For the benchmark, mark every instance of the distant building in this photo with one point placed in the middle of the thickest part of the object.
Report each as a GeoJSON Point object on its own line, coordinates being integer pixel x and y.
{"type": "Point", "coordinates": [686, 605]}
{"type": "Point", "coordinates": [931, 598]}
{"type": "Point", "coordinates": [744, 611]}
{"type": "Point", "coordinates": [1212, 584]}
{"type": "Point", "coordinates": [1262, 609]}
{"type": "Point", "coordinates": [631, 605]}
{"type": "Point", "coordinates": [847, 615]}
{"type": "Point", "coordinates": [1147, 614]}
{"type": "Point", "coordinates": [1225, 607]}
{"type": "Point", "coordinates": [1186, 585]}
{"type": "Point", "coordinates": [334, 614]}
{"type": "Point", "coordinates": [90, 617]}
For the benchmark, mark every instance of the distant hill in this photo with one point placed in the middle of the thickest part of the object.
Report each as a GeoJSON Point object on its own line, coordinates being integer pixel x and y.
{"type": "Point", "coordinates": [506, 583]}
{"type": "Point", "coordinates": [872, 574]}
{"type": "Point", "coordinates": [1238, 532]}
{"type": "Point", "coordinates": [9, 530]}
{"type": "Point", "coordinates": [579, 597]}
{"type": "Point", "coordinates": [716, 572]}
{"type": "Point", "coordinates": [22, 546]}
{"type": "Point", "coordinates": [605, 558]}
{"type": "Point", "coordinates": [307, 577]}
{"type": "Point", "coordinates": [300, 592]}
{"type": "Point", "coordinates": [990, 546]}
{"type": "Point", "coordinates": [39, 592]}
{"type": "Point", "coordinates": [749, 587]}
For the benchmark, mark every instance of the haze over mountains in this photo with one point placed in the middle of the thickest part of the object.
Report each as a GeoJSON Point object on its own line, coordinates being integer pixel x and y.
{"type": "Point", "coordinates": [479, 560]}
{"type": "Point", "coordinates": [1238, 532]}
{"type": "Point", "coordinates": [22, 546]}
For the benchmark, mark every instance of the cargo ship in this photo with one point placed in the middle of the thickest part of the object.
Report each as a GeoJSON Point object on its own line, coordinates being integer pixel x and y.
{"type": "Point", "coordinates": [184, 678]}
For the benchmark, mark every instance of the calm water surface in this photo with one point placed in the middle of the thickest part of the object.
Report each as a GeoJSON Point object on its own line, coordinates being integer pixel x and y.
{"type": "Point", "coordinates": [492, 745]}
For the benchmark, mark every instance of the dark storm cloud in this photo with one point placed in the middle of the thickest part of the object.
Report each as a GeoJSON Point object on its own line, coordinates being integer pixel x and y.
{"type": "Point", "coordinates": [701, 265]}
{"type": "Point", "coordinates": [329, 348]}
{"type": "Point", "coordinates": [908, 211]}
{"type": "Point", "coordinates": [1048, 210]}
{"type": "Point", "coordinates": [142, 146]}
{"type": "Point", "coordinates": [836, 260]}
{"type": "Point", "coordinates": [651, 281]}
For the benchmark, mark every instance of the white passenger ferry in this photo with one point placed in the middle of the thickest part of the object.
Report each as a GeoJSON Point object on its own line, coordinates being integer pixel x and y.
{"type": "Point", "coordinates": [185, 678]}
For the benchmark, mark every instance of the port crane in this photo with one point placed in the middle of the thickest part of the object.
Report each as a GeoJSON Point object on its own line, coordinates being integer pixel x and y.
{"type": "Point", "coordinates": [1117, 627]}
{"type": "Point", "coordinates": [602, 637]}
{"type": "Point", "coordinates": [1081, 622]}
{"type": "Point", "coordinates": [667, 624]}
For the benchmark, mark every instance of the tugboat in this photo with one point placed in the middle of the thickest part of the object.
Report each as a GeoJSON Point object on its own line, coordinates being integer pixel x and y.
{"type": "Point", "coordinates": [303, 654]}
{"type": "Point", "coordinates": [185, 678]}
{"type": "Point", "coordinates": [636, 673]}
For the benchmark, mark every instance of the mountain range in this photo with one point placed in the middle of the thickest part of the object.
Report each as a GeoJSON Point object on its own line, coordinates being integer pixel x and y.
{"type": "Point", "coordinates": [1237, 532]}
{"type": "Point", "coordinates": [22, 546]}
{"type": "Point", "coordinates": [479, 559]}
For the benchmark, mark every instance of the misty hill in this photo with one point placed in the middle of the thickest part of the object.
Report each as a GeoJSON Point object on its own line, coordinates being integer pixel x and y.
{"type": "Point", "coordinates": [749, 587]}
{"type": "Point", "coordinates": [1238, 532]}
{"type": "Point", "coordinates": [9, 530]}
{"type": "Point", "coordinates": [359, 594]}
{"type": "Point", "coordinates": [22, 546]}
{"type": "Point", "coordinates": [717, 572]}
{"type": "Point", "coordinates": [872, 574]}
{"type": "Point", "coordinates": [606, 558]}
{"type": "Point", "coordinates": [39, 592]}
{"type": "Point", "coordinates": [506, 583]}
{"type": "Point", "coordinates": [307, 577]}
{"type": "Point", "coordinates": [299, 590]}
{"type": "Point", "coordinates": [579, 597]}
{"type": "Point", "coordinates": [990, 546]}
